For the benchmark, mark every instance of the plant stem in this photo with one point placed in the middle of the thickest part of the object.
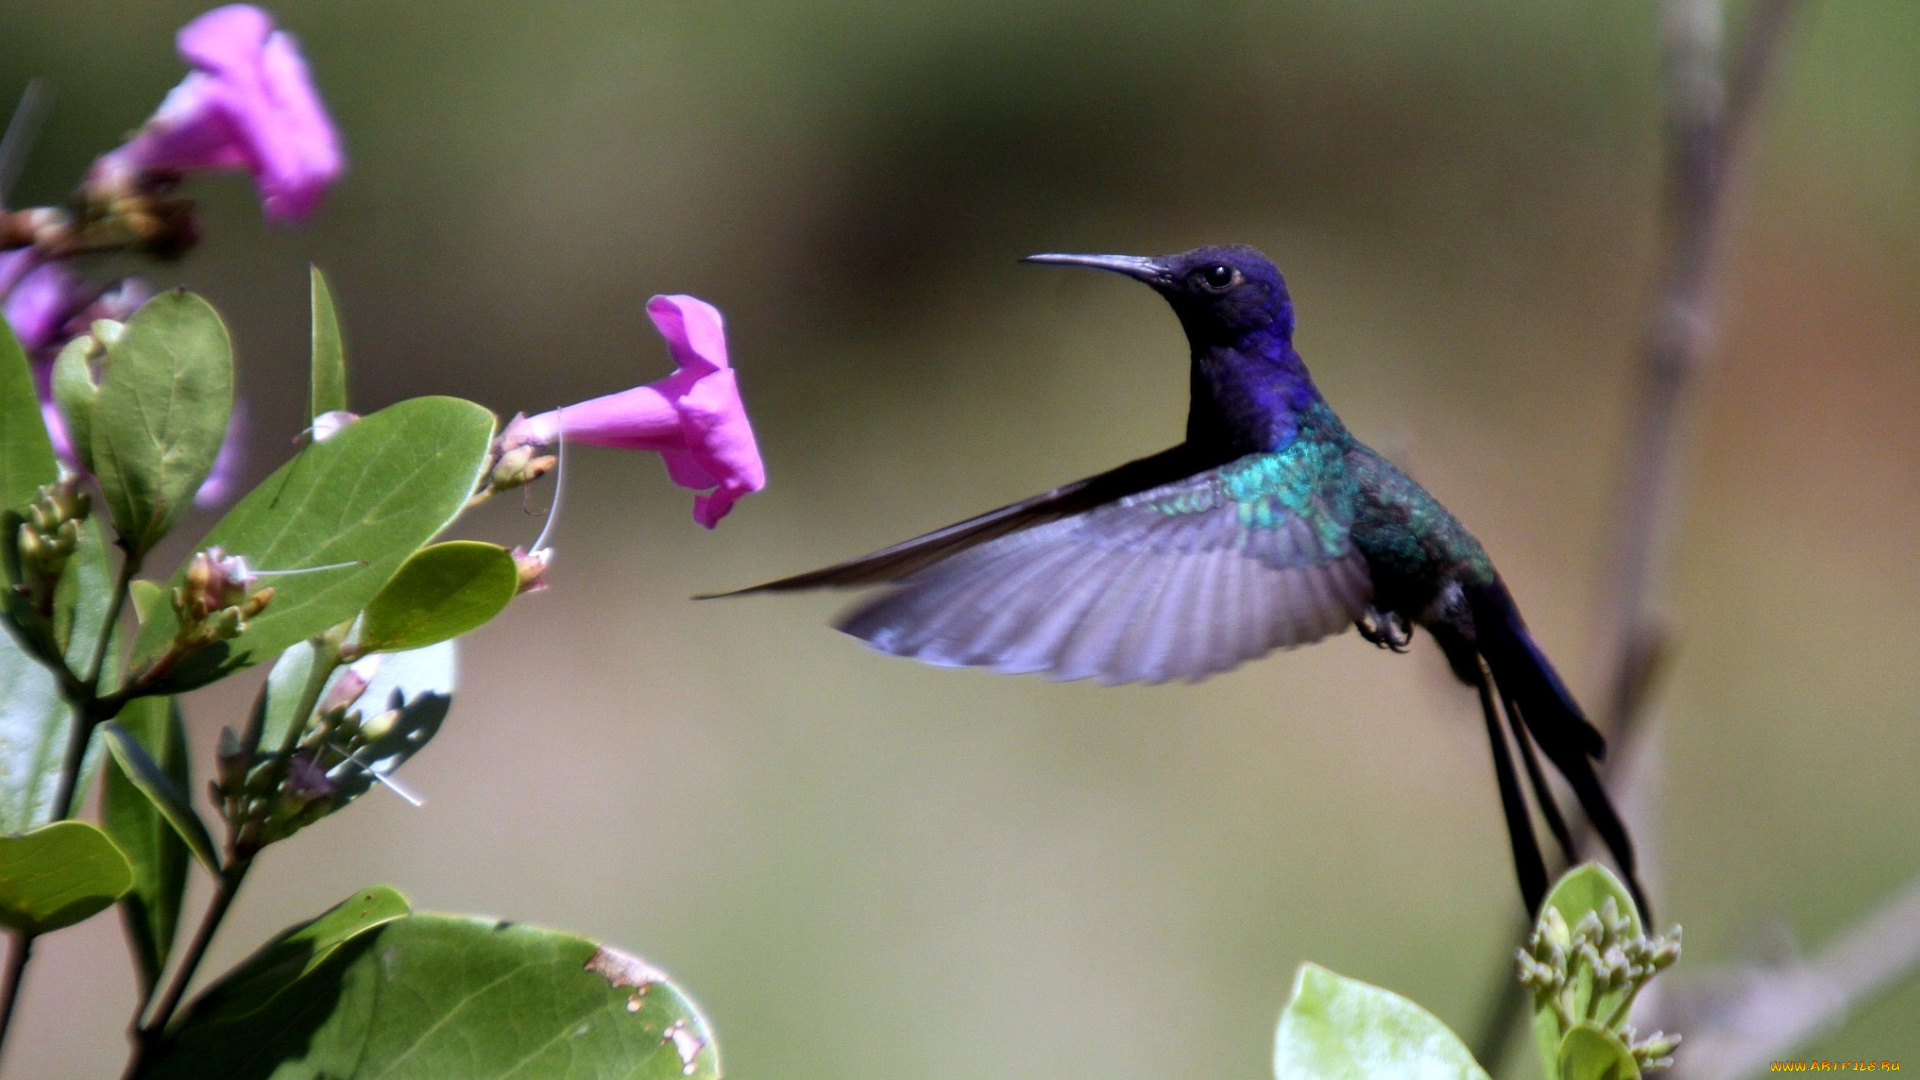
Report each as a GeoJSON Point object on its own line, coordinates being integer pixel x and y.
{"type": "Point", "coordinates": [242, 847]}
{"type": "Point", "coordinates": [326, 658]}
{"type": "Point", "coordinates": [87, 712]}
{"type": "Point", "coordinates": [148, 1036]}
{"type": "Point", "coordinates": [17, 957]}
{"type": "Point", "coordinates": [123, 583]}
{"type": "Point", "coordinates": [86, 715]}
{"type": "Point", "coordinates": [1709, 104]}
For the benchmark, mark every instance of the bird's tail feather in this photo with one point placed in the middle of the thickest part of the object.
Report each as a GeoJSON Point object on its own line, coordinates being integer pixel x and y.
{"type": "Point", "coordinates": [1528, 866]}
{"type": "Point", "coordinates": [1530, 687]}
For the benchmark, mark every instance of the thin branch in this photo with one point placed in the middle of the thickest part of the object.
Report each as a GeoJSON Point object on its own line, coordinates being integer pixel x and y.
{"type": "Point", "coordinates": [1708, 116]}
{"type": "Point", "coordinates": [19, 951]}
{"type": "Point", "coordinates": [1709, 109]}
{"type": "Point", "coordinates": [148, 1037]}
{"type": "Point", "coordinates": [1739, 1021]}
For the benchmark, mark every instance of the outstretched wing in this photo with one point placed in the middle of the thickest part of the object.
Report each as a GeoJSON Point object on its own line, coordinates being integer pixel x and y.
{"type": "Point", "coordinates": [1175, 582]}
{"type": "Point", "coordinates": [896, 562]}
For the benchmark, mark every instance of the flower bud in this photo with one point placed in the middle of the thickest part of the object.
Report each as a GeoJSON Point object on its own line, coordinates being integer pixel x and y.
{"type": "Point", "coordinates": [212, 601]}
{"type": "Point", "coordinates": [230, 764]}
{"type": "Point", "coordinates": [349, 686]}
{"type": "Point", "coordinates": [520, 465]}
{"type": "Point", "coordinates": [328, 424]}
{"type": "Point", "coordinates": [307, 779]}
{"type": "Point", "coordinates": [256, 603]}
{"type": "Point", "coordinates": [1554, 926]}
{"type": "Point", "coordinates": [33, 550]}
{"type": "Point", "coordinates": [378, 728]}
{"type": "Point", "coordinates": [1657, 1046]}
{"type": "Point", "coordinates": [1589, 929]}
{"type": "Point", "coordinates": [532, 566]}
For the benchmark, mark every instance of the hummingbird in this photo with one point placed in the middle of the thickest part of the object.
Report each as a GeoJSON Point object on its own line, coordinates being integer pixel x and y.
{"type": "Point", "coordinates": [1270, 526]}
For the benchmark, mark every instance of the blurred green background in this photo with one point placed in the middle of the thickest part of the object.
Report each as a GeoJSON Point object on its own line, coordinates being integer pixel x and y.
{"type": "Point", "coordinates": [865, 868]}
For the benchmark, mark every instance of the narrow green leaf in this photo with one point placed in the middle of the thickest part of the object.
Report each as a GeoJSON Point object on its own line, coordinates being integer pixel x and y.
{"type": "Point", "coordinates": [293, 955]}
{"type": "Point", "coordinates": [443, 591]}
{"type": "Point", "coordinates": [1337, 1028]}
{"type": "Point", "coordinates": [168, 800]}
{"type": "Point", "coordinates": [151, 911]}
{"type": "Point", "coordinates": [368, 497]}
{"type": "Point", "coordinates": [162, 414]}
{"type": "Point", "coordinates": [329, 355]}
{"type": "Point", "coordinates": [26, 454]}
{"type": "Point", "coordinates": [1591, 1052]}
{"type": "Point", "coordinates": [437, 996]}
{"type": "Point", "coordinates": [279, 702]}
{"type": "Point", "coordinates": [58, 875]}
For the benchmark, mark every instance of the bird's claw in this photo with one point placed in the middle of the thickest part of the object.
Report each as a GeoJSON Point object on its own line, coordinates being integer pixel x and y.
{"type": "Point", "coordinates": [1385, 629]}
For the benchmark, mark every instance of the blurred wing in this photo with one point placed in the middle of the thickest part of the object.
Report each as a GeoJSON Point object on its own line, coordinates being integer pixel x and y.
{"type": "Point", "coordinates": [896, 562]}
{"type": "Point", "coordinates": [1176, 582]}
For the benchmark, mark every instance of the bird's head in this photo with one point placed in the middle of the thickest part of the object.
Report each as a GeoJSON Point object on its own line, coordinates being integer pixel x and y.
{"type": "Point", "coordinates": [1222, 293]}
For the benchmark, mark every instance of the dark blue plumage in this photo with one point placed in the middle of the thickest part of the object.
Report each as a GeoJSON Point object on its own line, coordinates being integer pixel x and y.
{"type": "Point", "coordinates": [1269, 526]}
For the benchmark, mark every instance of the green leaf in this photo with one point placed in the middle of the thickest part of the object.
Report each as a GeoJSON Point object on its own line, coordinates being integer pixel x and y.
{"type": "Point", "coordinates": [34, 721]}
{"type": "Point", "coordinates": [147, 597]}
{"type": "Point", "coordinates": [80, 616]}
{"type": "Point", "coordinates": [329, 356]}
{"type": "Point", "coordinates": [151, 911]}
{"type": "Point", "coordinates": [279, 699]}
{"type": "Point", "coordinates": [26, 454]}
{"type": "Point", "coordinates": [291, 956]}
{"type": "Point", "coordinates": [58, 875]}
{"type": "Point", "coordinates": [441, 592]}
{"type": "Point", "coordinates": [162, 414]}
{"type": "Point", "coordinates": [440, 996]}
{"type": "Point", "coordinates": [35, 718]}
{"type": "Point", "coordinates": [1588, 887]}
{"type": "Point", "coordinates": [80, 603]}
{"type": "Point", "coordinates": [1337, 1028]}
{"type": "Point", "coordinates": [76, 393]}
{"type": "Point", "coordinates": [368, 497]}
{"type": "Point", "coordinates": [152, 780]}
{"type": "Point", "coordinates": [1591, 1052]}
{"type": "Point", "coordinates": [1583, 889]}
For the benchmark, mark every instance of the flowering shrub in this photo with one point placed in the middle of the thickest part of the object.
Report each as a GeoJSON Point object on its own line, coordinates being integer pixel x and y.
{"type": "Point", "coordinates": [117, 413]}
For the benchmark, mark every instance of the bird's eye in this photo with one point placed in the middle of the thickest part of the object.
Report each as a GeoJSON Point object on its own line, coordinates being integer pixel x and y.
{"type": "Point", "coordinates": [1218, 278]}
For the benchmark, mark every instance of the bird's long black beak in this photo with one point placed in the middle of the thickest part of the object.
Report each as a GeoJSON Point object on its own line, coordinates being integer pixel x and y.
{"type": "Point", "coordinates": [1152, 271]}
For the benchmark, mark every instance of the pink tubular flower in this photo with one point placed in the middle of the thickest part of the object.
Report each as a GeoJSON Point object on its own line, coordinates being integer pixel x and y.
{"type": "Point", "coordinates": [693, 418]}
{"type": "Point", "coordinates": [249, 105]}
{"type": "Point", "coordinates": [41, 301]}
{"type": "Point", "coordinates": [223, 480]}
{"type": "Point", "coordinates": [49, 306]}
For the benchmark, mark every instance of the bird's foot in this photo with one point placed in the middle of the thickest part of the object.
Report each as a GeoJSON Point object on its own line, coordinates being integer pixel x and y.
{"type": "Point", "coordinates": [1385, 629]}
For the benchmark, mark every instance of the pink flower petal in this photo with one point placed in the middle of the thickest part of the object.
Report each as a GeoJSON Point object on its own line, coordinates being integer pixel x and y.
{"type": "Point", "coordinates": [695, 333]}
{"type": "Point", "coordinates": [228, 465]}
{"type": "Point", "coordinates": [41, 303]}
{"type": "Point", "coordinates": [249, 105]}
{"type": "Point", "coordinates": [693, 418]}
